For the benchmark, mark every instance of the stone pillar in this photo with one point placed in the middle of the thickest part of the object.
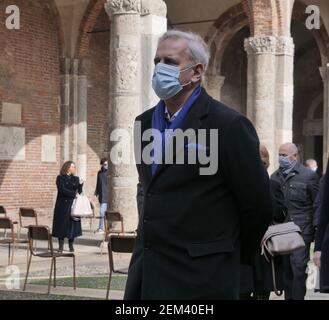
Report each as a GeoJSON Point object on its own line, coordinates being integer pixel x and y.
{"type": "Point", "coordinates": [213, 85]}
{"type": "Point", "coordinates": [65, 109]}
{"type": "Point", "coordinates": [261, 90]}
{"type": "Point", "coordinates": [74, 110]}
{"type": "Point", "coordinates": [74, 113]}
{"type": "Point", "coordinates": [82, 128]}
{"type": "Point", "coordinates": [153, 25]}
{"type": "Point", "coordinates": [325, 77]}
{"type": "Point", "coordinates": [284, 92]}
{"type": "Point", "coordinates": [125, 61]}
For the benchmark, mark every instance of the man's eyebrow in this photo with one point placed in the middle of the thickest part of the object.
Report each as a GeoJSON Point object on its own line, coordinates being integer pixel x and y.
{"type": "Point", "coordinates": [167, 59]}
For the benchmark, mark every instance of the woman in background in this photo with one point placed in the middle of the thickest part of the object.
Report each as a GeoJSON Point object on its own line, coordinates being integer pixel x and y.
{"type": "Point", "coordinates": [256, 281]}
{"type": "Point", "coordinates": [68, 186]}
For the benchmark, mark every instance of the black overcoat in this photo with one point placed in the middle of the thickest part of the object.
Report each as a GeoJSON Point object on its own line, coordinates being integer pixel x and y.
{"type": "Point", "coordinates": [63, 225]}
{"type": "Point", "coordinates": [192, 225]}
{"type": "Point", "coordinates": [322, 236]}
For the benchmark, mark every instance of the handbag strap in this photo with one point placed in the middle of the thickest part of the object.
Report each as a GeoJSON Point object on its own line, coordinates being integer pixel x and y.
{"type": "Point", "coordinates": [277, 292]}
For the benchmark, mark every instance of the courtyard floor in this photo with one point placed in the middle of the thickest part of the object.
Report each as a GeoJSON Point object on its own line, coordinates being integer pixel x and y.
{"type": "Point", "coordinates": [92, 269]}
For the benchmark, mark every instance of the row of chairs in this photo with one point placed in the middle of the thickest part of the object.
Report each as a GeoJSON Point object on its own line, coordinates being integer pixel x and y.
{"type": "Point", "coordinates": [118, 241]}
{"type": "Point", "coordinates": [7, 224]}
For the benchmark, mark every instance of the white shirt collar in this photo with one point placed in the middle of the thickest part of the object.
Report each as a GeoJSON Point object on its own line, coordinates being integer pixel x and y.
{"type": "Point", "coordinates": [173, 117]}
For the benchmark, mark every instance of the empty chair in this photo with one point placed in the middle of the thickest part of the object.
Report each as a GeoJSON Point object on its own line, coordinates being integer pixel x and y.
{"type": "Point", "coordinates": [7, 224]}
{"type": "Point", "coordinates": [25, 217]}
{"type": "Point", "coordinates": [121, 243]}
{"type": "Point", "coordinates": [42, 233]}
{"type": "Point", "coordinates": [3, 213]}
{"type": "Point", "coordinates": [110, 217]}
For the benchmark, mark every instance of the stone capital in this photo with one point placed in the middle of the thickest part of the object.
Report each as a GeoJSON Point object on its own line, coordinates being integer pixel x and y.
{"type": "Point", "coordinates": [269, 45]}
{"type": "Point", "coordinates": [122, 7]}
{"type": "Point", "coordinates": [259, 45]}
{"type": "Point", "coordinates": [285, 45]}
{"type": "Point", "coordinates": [154, 7]}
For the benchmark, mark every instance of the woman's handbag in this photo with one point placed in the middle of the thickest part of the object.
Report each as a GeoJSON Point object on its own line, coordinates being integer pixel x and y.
{"type": "Point", "coordinates": [281, 239]}
{"type": "Point", "coordinates": [81, 208]}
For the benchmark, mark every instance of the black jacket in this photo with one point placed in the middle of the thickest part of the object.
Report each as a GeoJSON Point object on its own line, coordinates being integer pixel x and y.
{"type": "Point", "coordinates": [63, 225]}
{"type": "Point", "coordinates": [191, 227]}
{"type": "Point", "coordinates": [300, 189]}
{"type": "Point", "coordinates": [101, 190]}
{"type": "Point", "coordinates": [322, 236]}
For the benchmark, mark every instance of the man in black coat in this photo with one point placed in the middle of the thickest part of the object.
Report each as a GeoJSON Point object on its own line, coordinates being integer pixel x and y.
{"type": "Point", "coordinates": [193, 225]}
{"type": "Point", "coordinates": [300, 187]}
{"type": "Point", "coordinates": [101, 192]}
{"type": "Point", "coordinates": [321, 248]}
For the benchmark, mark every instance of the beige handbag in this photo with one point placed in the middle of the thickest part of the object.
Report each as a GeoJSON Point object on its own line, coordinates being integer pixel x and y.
{"type": "Point", "coordinates": [281, 239]}
{"type": "Point", "coordinates": [81, 208]}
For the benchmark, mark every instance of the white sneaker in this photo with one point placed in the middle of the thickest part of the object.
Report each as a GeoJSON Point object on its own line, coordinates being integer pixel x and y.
{"type": "Point", "coordinates": [100, 231]}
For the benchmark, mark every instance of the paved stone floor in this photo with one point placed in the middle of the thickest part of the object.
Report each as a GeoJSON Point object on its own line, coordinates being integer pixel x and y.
{"type": "Point", "coordinates": [89, 262]}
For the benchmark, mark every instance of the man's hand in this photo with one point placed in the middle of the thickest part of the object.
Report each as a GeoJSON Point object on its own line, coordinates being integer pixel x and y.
{"type": "Point", "coordinates": [317, 258]}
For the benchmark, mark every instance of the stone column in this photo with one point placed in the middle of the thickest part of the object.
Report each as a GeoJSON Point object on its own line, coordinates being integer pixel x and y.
{"type": "Point", "coordinates": [213, 85]}
{"type": "Point", "coordinates": [82, 128]}
{"type": "Point", "coordinates": [65, 109]}
{"type": "Point", "coordinates": [325, 77]}
{"type": "Point", "coordinates": [261, 90]}
{"type": "Point", "coordinates": [125, 61]}
{"type": "Point", "coordinates": [284, 92]}
{"type": "Point", "coordinates": [153, 25]}
{"type": "Point", "coordinates": [74, 110]}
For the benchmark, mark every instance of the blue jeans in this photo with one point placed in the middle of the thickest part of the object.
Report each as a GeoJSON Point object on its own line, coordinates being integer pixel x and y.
{"type": "Point", "coordinates": [102, 211]}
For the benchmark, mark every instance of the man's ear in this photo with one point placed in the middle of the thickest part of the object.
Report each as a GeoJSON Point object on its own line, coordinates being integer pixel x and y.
{"type": "Point", "coordinates": [198, 72]}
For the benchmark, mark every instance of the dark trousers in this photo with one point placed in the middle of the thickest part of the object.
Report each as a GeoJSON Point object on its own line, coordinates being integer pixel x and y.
{"type": "Point", "coordinates": [294, 273]}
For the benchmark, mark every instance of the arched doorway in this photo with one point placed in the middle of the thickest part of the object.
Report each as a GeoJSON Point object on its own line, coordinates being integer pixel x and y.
{"type": "Point", "coordinates": [234, 69]}
{"type": "Point", "coordinates": [308, 95]}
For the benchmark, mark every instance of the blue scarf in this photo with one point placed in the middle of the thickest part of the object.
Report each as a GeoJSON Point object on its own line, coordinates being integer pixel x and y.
{"type": "Point", "coordinates": [160, 123]}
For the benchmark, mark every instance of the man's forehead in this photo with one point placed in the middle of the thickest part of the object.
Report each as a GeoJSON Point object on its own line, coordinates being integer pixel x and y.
{"type": "Point", "coordinates": [172, 47]}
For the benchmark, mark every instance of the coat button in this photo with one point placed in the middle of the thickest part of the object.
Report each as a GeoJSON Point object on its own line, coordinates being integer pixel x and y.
{"type": "Point", "coordinates": [147, 245]}
{"type": "Point", "coordinates": [146, 220]}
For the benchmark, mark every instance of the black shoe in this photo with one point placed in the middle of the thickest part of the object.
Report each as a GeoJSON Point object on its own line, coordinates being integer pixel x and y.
{"type": "Point", "coordinates": [71, 246]}
{"type": "Point", "coordinates": [61, 245]}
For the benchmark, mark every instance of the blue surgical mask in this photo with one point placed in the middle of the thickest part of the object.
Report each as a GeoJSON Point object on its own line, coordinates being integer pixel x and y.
{"type": "Point", "coordinates": [166, 82]}
{"type": "Point", "coordinates": [285, 162]}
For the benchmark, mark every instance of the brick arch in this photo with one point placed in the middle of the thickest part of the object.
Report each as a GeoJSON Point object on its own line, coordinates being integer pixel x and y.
{"type": "Point", "coordinates": [263, 17]}
{"type": "Point", "coordinates": [59, 27]}
{"type": "Point", "coordinates": [88, 23]}
{"type": "Point", "coordinates": [222, 32]}
{"type": "Point", "coordinates": [321, 36]}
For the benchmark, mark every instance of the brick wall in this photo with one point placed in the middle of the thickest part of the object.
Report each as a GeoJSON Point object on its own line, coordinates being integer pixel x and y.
{"type": "Point", "coordinates": [29, 75]}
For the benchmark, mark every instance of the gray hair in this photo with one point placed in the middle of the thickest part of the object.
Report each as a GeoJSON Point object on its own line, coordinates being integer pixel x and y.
{"type": "Point", "coordinates": [309, 162]}
{"type": "Point", "coordinates": [198, 50]}
{"type": "Point", "coordinates": [292, 148]}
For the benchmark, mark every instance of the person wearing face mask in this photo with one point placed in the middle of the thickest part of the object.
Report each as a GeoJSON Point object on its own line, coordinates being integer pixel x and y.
{"type": "Point", "coordinates": [195, 229]}
{"type": "Point", "coordinates": [312, 165]}
{"type": "Point", "coordinates": [101, 192]}
{"type": "Point", "coordinates": [300, 186]}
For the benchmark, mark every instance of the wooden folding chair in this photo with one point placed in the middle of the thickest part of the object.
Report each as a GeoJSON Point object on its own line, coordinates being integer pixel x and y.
{"type": "Point", "coordinates": [42, 233]}
{"type": "Point", "coordinates": [7, 224]}
{"type": "Point", "coordinates": [110, 217]}
{"type": "Point", "coordinates": [121, 243]}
